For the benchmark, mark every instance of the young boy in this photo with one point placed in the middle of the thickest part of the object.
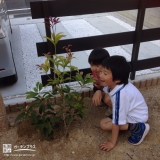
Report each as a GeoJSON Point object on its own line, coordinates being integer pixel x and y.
{"type": "Point", "coordinates": [95, 60]}
{"type": "Point", "coordinates": [129, 109]}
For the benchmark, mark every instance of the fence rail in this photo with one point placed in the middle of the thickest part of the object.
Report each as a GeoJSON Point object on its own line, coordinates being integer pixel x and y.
{"type": "Point", "coordinates": [58, 8]}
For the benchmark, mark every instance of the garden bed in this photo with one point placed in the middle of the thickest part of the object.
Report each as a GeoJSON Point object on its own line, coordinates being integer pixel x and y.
{"type": "Point", "coordinates": [85, 136]}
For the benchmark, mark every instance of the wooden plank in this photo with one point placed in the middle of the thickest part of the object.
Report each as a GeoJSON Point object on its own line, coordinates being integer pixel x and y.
{"type": "Point", "coordinates": [150, 34]}
{"type": "Point", "coordinates": [148, 63]}
{"type": "Point", "coordinates": [153, 3]}
{"type": "Point", "coordinates": [141, 64]}
{"type": "Point", "coordinates": [70, 7]}
{"type": "Point", "coordinates": [109, 40]}
{"type": "Point", "coordinates": [86, 43]}
{"type": "Point", "coordinates": [36, 10]}
{"type": "Point", "coordinates": [45, 78]}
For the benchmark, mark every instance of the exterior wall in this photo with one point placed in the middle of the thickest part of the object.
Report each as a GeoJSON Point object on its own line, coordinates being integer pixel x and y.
{"type": "Point", "coordinates": [152, 17]}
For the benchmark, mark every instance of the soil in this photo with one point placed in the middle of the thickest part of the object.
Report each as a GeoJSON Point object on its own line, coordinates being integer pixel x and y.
{"type": "Point", "coordinates": [84, 138]}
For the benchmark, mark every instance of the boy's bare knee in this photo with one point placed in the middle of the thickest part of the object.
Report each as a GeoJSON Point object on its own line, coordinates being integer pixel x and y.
{"type": "Point", "coordinates": [102, 125]}
{"type": "Point", "coordinates": [105, 124]}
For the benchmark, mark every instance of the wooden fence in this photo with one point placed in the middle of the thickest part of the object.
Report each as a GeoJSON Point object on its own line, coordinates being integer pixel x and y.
{"type": "Point", "coordinates": [58, 8]}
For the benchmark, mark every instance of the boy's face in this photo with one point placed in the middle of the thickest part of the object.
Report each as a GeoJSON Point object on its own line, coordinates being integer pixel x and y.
{"type": "Point", "coordinates": [107, 78]}
{"type": "Point", "coordinates": [96, 68]}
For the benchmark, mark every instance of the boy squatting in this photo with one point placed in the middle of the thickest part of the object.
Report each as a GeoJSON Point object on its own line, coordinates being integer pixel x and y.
{"type": "Point", "coordinates": [129, 109]}
{"type": "Point", "coordinates": [95, 59]}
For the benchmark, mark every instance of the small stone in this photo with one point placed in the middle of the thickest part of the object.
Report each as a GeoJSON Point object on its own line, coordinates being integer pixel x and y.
{"type": "Point", "coordinates": [12, 124]}
{"type": "Point", "coordinates": [73, 152]}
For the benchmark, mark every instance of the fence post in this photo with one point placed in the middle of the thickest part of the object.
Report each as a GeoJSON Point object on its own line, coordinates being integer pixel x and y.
{"type": "Point", "coordinates": [138, 35]}
{"type": "Point", "coordinates": [48, 34]}
{"type": "Point", "coordinates": [4, 124]}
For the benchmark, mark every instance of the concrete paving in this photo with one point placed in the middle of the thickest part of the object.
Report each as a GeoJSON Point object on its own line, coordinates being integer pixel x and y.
{"type": "Point", "coordinates": [147, 50]}
{"type": "Point", "coordinates": [19, 86]}
{"type": "Point", "coordinates": [99, 21]}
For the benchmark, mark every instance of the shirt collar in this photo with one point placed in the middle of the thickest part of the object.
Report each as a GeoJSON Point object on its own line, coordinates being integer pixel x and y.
{"type": "Point", "coordinates": [116, 89]}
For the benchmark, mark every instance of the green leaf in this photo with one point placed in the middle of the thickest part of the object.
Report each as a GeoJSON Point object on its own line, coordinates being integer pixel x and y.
{"type": "Point", "coordinates": [47, 95]}
{"type": "Point", "coordinates": [53, 35]}
{"type": "Point", "coordinates": [88, 76]}
{"type": "Point", "coordinates": [20, 116]}
{"type": "Point", "coordinates": [33, 117]}
{"type": "Point", "coordinates": [35, 89]}
{"type": "Point", "coordinates": [37, 84]}
{"type": "Point", "coordinates": [26, 116]}
{"type": "Point", "coordinates": [89, 81]}
{"type": "Point", "coordinates": [70, 118]}
{"type": "Point", "coordinates": [45, 67]}
{"type": "Point", "coordinates": [58, 36]}
{"type": "Point", "coordinates": [68, 96]}
{"type": "Point", "coordinates": [40, 86]}
{"type": "Point", "coordinates": [79, 78]}
{"type": "Point", "coordinates": [46, 62]}
{"type": "Point", "coordinates": [72, 68]}
{"type": "Point", "coordinates": [31, 94]}
{"type": "Point", "coordinates": [52, 41]}
{"type": "Point", "coordinates": [45, 132]}
{"type": "Point", "coordinates": [67, 89]}
{"type": "Point", "coordinates": [48, 106]}
{"type": "Point", "coordinates": [41, 109]}
{"type": "Point", "coordinates": [55, 119]}
{"type": "Point", "coordinates": [49, 128]}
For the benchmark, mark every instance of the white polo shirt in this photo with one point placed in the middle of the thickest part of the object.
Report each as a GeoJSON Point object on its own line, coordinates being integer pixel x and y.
{"type": "Point", "coordinates": [128, 104]}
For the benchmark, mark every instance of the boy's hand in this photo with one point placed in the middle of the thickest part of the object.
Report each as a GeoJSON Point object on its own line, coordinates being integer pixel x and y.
{"type": "Point", "coordinates": [107, 146]}
{"type": "Point", "coordinates": [96, 99]}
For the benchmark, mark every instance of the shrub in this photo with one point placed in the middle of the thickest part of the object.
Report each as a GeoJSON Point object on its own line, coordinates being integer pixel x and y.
{"type": "Point", "coordinates": [46, 112]}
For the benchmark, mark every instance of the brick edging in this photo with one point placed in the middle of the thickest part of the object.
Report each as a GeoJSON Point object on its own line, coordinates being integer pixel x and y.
{"type": "Point", "coordinates": [89, 93]}
{"type": "Point", "coordinates": [147, 82]}
{"type": "Point", "coordinates": [4, 124]}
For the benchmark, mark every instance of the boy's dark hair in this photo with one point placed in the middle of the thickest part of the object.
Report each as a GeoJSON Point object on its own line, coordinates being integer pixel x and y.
{"type": "Point", "coordinates": [119, 67]}
{"type": "Point", "coordinates": [97, 56]}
